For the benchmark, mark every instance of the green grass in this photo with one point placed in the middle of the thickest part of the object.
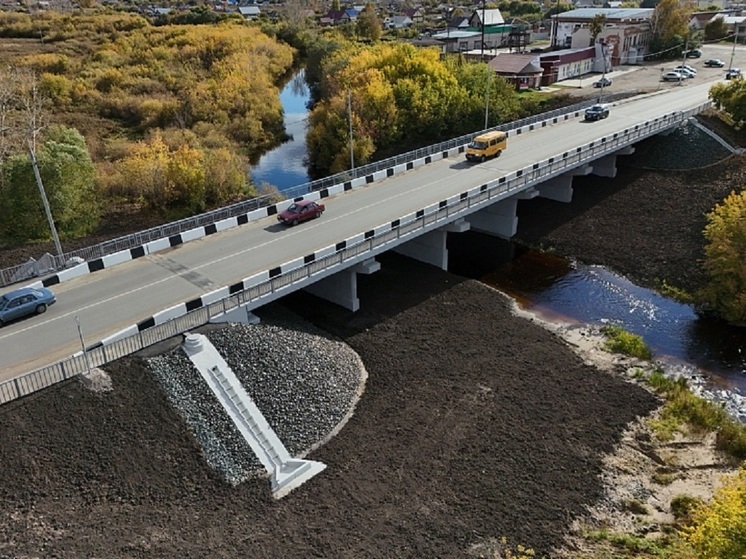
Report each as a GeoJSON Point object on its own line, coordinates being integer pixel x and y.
{"type": "Point", "coordinates": [682, 407]}
{"type": "Point", "coordinates": [620, 341]}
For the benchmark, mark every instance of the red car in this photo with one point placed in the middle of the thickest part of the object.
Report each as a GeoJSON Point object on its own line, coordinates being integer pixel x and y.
{"type": "Point", "coordinates": [301, 211]}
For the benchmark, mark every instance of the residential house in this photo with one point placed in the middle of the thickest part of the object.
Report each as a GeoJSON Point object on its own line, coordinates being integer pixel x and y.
{"type": "Point", "coordinates": [522, 70]}
{"type": "Point", "coordinates": [698, 20]}
{"type": "Point", "coordinates": [335, 17]}
{"type": "Point", "coordinates": [487, 18]}
{"type": "Point", "coordinates": [250, 12]}
{"type": "Point", "coordinates": [737, 25]}
{"type": "Point", "coordinates": [397, 22]}
{"type": "Point", "coordinates": [417, 15]}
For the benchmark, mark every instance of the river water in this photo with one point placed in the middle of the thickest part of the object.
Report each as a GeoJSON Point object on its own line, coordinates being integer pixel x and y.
{"type": "Point", "coordinates": [557, 289]}
{"type": "Point", "coordinates": [284, 167]}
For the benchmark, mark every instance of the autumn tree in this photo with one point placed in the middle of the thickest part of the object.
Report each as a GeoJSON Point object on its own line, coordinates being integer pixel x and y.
{"type": "Point", "coordinates": [731, 98]}
{"type": "Point", "coordinates": [596, 26]}
{"type": "Point", "coordinates": [368, 24]}
{"type": "Point", "coordinates": [399, 95]}
{"type": "Point", "coordinates": [670, 27]}
{"type": "Point", "coordinates": [725, 259]}
{"type": "Point", "coordinates": [179, 179]}
{"type": "Point", "coordinates": [718, 529]}
{"type": "Point", "coordinates": [68, 176]}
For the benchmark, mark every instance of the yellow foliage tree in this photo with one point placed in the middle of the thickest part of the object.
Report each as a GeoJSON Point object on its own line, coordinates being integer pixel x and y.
{"type": "Point", "coordinates": [725, 259]}
{"type": "Point", "coordinates": [718, 529]}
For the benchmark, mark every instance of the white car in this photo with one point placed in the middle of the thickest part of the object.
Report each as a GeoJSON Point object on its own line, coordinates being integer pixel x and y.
{"type": "Point", "coordinates": [673, 76]}
{"type": "Point", "coordinates": [687, 73]}
{"type": "Point", "coordinates": [686, 68]}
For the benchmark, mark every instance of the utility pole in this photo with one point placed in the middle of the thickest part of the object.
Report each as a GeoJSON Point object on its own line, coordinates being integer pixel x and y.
{"type": "Point", "coordinates": [733, 52]}
{"type": "Point", "coordinates": [481, 58]}
{"type": "Point", "coordinates": [487, 100]}
{"type": "Point", "coordinates": [44, 200]}
{"type": "Point", "coordinates": [349, 111]}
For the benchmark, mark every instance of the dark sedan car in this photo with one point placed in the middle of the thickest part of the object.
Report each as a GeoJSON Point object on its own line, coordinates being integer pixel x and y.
{"type": "Point", "coordinates": [597, 112]}
{"type": "Point", "coordinates": [714, 63]}
{"type": "Point", "coordinates": [301, 211]}
{"type": "Point", "coordinates": [23, 302]}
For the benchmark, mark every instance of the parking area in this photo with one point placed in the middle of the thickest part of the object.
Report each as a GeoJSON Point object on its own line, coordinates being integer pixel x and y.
{"type": "Point", "coordinates": [647, 76]}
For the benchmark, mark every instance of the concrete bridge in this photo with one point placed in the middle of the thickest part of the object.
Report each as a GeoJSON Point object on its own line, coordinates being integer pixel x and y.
{"type": "Point", "coordinates": [222, 271]}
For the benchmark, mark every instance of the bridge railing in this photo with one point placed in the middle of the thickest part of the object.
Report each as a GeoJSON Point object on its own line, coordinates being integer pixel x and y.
{"type": "Point", "coordinates": [462, 204]}
{"type": "Point", "coordinates": [52, 263]}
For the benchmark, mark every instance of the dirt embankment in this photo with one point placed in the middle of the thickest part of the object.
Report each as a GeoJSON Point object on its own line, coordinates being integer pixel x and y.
{"type": "Point", "coordinates": [476, 424]}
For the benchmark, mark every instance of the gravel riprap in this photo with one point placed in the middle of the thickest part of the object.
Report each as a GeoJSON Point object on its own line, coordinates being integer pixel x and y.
{"type": "Point", "coordinates": [304, 384]}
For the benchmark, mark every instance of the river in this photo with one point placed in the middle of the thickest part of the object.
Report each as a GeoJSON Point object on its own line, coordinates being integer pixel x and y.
{"type": "Point", "coordinates": [284, 167]}
{"type": "Point", "coordinates": [557, 289]}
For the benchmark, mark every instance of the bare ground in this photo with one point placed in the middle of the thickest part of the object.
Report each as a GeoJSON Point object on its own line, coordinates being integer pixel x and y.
{"type": "Point", "coordinates": [475, 423]}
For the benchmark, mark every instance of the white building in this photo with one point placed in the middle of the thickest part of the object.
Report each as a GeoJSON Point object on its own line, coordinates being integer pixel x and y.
{"type": "Point", "coordinates": [626, 32]}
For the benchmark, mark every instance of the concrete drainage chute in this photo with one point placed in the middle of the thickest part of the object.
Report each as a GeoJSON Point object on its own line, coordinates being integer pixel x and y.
{"type": "Point", "coordinates": [286, 472]}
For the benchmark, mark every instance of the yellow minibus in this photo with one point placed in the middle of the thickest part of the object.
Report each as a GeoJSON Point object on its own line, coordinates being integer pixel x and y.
{"type": "Point", "coordinates": [489, 144]}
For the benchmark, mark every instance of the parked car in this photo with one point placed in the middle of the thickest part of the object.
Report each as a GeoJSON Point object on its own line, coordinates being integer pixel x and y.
{"type": "Point", "coordinates": [694, 53]}
{"type": "Point", "coordinates": [733, 74]}
{"type": "Point", "coordinates": [301, 211]}
{"type": "Point", "coordinates": [686, 67]}
{"type": "Point", "coordinates": [673, 76]}
{"type": "Point", "coordinates": [714, 63]}
{"type": "Point", "coordinates": [688, 73]}
{"type": "Point", "coordinates": [597, 112]}
{"type": "Point", "coordinates": [23, 302]}
{"type": "Point", "coordinates": [603, 82]}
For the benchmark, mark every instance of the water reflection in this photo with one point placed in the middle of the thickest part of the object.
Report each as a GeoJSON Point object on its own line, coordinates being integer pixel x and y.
{"type": "Point", "coordinates": [284, 166]}
{"type": "Point", "coordinates": [562, 291]}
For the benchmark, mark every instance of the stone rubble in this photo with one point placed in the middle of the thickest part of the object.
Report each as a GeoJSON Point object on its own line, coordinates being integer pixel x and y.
{"type": "Point", "coordinates": [305, 385]}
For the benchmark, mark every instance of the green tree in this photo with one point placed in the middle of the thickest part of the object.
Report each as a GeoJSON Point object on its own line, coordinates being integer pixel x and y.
{"type": "Point", "coordinates": [716, 29]}
{"type": "Point", "coordinates": [725, 259]}
{"type": "Point", "coordinates": [68, 176]}
{"type": "Point", "coordinates": [670, 27]}
{"type": "Point", "coordinates": [731, 98]}
{"type": "Point", "coordinates": [596, 26]}
{"type": "Point", "coordinates": [718, 529]}
{"type": "Point", "coordinates": [368, 24]}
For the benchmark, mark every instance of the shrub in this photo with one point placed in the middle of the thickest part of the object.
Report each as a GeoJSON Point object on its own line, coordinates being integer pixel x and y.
{"type": "Point", "coordinates": [718, 529]}
{"type": "Point", "coordinates": [621, 341]}
{"type": "Point", "coordinates": [682, 506]}
{"type": "Point", "coordinates": [731, 438]}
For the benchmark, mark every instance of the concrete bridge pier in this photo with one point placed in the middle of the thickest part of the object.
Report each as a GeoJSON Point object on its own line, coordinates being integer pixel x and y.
{"type": "Point", "coordinates": [431, 247]}
{"type": "Point", "coordinates": [606, 166]}
{"type": "Point", "coordinates": [341, 288]}
{"type": "Point", "coordinates": [498, 220]}
{"type": "Point", "coordinates": [560, 188]}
